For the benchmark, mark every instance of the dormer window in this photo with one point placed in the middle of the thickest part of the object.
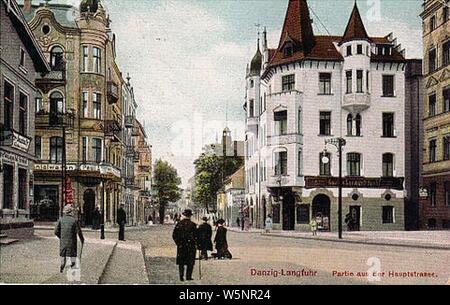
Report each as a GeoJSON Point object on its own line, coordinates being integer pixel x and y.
{"type": "Point", "coordinates": [288, 50]}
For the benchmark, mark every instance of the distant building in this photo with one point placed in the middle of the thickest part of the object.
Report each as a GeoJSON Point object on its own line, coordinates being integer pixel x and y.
{"type": "Point", "coordinates": [435, 192]}
{"type": "Point", "coordinates": [21, 62]}
{"type": "Point", "coordinates": [312, 88]}
{"type": "Point", "coordinates": [234, 189]}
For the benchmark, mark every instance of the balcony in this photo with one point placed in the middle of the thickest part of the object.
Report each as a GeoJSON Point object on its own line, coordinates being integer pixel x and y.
{"type": "Point", "coordinates": [129, 121]}
{"type": "Point", "coordinates": [113, 130]}
{"type": "Point", "coordinates": [129, 182]}
{"type": "Point", "coordinates": [356, 102]}
{"type": "Point", "coordinates": [132, 154]}
{"type": "Point", "coordinates": [54, 120]}
{"type": "Point", "coordinates": [52, 80]}
{"type": "Point", "coordinates": [113, 92]}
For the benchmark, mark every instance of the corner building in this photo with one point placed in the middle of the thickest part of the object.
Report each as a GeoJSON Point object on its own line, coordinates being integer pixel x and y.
{"type": "Point", "coordinates": [312, 88]}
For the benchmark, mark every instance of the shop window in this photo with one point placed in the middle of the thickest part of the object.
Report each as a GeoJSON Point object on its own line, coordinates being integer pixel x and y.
{"type": "Point", "coordinates": [303, 214]}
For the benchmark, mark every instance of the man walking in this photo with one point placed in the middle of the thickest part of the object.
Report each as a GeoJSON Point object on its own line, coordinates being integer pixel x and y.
{"type": "Point", "coordinates": [185, 237]}
{"type": "Point", "coordinates": [121, 221]}
{"type": "Point", "coordinates": [67, 230]}
{"type": "Point", "coordinates": [204, 235]}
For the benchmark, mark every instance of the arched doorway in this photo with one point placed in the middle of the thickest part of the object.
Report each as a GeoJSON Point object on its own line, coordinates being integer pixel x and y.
{"type": "Point", "coordinates": [289, 212]}
{"type": "Point", "coordinates": [89, 207]}
{"type": "Point", "coordinates": [321, 209]}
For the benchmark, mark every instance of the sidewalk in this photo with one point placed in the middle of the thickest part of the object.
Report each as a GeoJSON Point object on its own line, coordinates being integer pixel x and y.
{"type": "Point", "coordinates": [417, 239]}
{"type": "Point", "coordinates": [37, 261]}
{"type": "Point", "coordinates": [51, 227]}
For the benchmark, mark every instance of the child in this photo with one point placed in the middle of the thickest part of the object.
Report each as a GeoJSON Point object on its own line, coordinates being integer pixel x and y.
{"type": "Point", "coordinates": [313, 225]}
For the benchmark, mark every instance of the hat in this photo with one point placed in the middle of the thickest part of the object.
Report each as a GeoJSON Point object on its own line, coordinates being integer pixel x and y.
{"type": "Point", "coordinates": [187, 213]}
{"type": "Point", "coordinates": [68, 210]}
{"type": "Point", "coordinates": [220, 221]}
{"type": "Point", "coordinates": [205, 218]}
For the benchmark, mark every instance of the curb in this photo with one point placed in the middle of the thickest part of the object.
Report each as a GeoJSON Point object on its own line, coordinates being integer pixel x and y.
{"type": "Point", "coordinates": [100, 279]}
{"type": "Point", "coordinates": [360, 242]}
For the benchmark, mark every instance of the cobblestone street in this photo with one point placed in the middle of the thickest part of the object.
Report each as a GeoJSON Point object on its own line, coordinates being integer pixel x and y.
{"type": "Point", "coordinates": [276, 254]}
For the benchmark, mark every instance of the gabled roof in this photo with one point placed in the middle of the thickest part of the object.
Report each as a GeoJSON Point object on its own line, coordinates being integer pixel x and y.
{"type": "Point", "coordinates": [355, 28]}
{"type": "Point", "coordinates": [27, 36]}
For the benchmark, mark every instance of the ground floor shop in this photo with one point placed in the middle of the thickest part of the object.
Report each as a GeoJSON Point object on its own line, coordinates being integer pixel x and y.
{"type": "Point", "coordinates": [435, 203]}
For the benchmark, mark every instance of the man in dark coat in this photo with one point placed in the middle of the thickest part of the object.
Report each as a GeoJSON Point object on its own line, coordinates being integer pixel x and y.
{"type": "Point", "coordinates": [204, 235]}
{"type": "Point", "coordinates": [221, 241]}
{"type": "Point", "coordinates": [67, 230]}
{"type": "Point", "coordinates": [96, 217]}
{"type": "Point", "coordinates": [121, 221]}
{"type": "Point", "coordinates": [185, 237]}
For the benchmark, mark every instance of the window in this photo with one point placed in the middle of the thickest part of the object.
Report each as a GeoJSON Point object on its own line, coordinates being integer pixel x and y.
{"type": "Point", "coordinates": [22, 189]}
{"type": "Point", "coordinates": [446, 53]}
{"type": "Point", "coordinates": [388, 214]}
{"type": "Point", "coordinates": [57, 59]}
{"type": "Point", "coordinates": [432, 23]}
{"type": "Point", "coordinates": [325, 123]}
{"type": "Point", "coordinates": [23, 113]}
{"type": "Point", "coordinates": [388, 165]}
{"type": "Point", "coordinates": [8, 171]}
{"type": "Point", "coordinates": [97, 57]}
{"type": "Point", "coordinates": [349, 50]}
{"type": "Point", "coordinates": [97, 150]}
{"type": "Point", "coordinates": [388, 85]}
{"type": "Point", "coordinates": [354, 164]}
{"type": "Point", "coordinates": [445, 14]}
{"type": "Point", "coordinates": [349, 77]}
{"type": "Point", "coordinates": [8, 107]}
{"type": "Point", "coordinates": [350, 125]}
{"type": "Point", "coordinates": [367, 81]}
{"type": "Point", "coordinates": [85, 104]}
{"type": "Point", "coordinates": [359, 49]}
{"type": "Point", "coordinates": [432, 105]}
{"type": "Point", "coordinates": [447, 148]}
{"type": "Point", "coordinates": [432, 150]}
{"type": "Point", "coordinates": [288, 50]}
{"type": "Point", "coordinates": [303, 214]}
{"type": "Point", "coordinates": [280, 119]}
{"type": "Point", "coordinates": [446, 95]}
{"type": "Point", "coordinates": [281, 163]}
{"type": "Point", "coordinates": [433, 194]}
{"type": "Point", "coordinates": [85, 156]}
{"type": "Point", "coordinates": [288, 82]}
{"type": "Point", "coordinates": [388, 125]}
{"type": "Point", "coordinates": [85, 59]}
{"type": "Point", "coordinates": [38, 105]}
{"type": "Point", "coordinates": [38, 147]}
{"type": "Point", "coordinates": [359, 81]}
{"type": "Point", "coordinates": [252, 108]}
{"type": "Point", "coordinates": [56, 108]}
{"type": "Point", "coordinates": [325, 83]}
{"type": "Point", "coordinates": [22, 57]}
{"type": "Point", "coordinates": [97, 105]}
{"type": "Point", "coordinates": [56, 150]}
{"type": "Point", "coordinates": [432, 61]}
{"type": "Point", "coordinates": [358, 123]}
{"type": "Point", "coordinates": [276, 210]}
{"type": "Point", "coordinates": [299, 164]}
{"type": "Point", "coordinates": [325, 168]}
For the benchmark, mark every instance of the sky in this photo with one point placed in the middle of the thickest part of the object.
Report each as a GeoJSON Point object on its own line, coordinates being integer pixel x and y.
{"type": "Point", "coordinates": [187, 59]}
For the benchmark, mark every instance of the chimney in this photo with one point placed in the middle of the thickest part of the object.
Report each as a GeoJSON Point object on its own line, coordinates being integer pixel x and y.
{"type": "Point", "coordinates": [27, 6]}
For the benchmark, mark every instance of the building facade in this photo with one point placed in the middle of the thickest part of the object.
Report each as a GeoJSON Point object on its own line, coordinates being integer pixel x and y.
{"type": "Point", "coordinates": [21, 60]}
{"type": "Point", "coordinates": [314, 88]}
{"type": "Point", "coordinates": [85, 118]}
{"type": "Point", "coordinates": [435, 203]}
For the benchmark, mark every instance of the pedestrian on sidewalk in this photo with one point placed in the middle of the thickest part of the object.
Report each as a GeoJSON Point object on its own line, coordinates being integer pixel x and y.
{"type": "Point", "coordinates": [238, 222]}
{"type": "Point", "coordinates": [269, 224]}
{"type": "Point", "coordinates": [243, 224]}
{"type": "Point", "coordinates": [313, 225]}
{"type": "Point", "coordinates": [185, 237]}
{"type": "Point", "coordinates": [204, 236]}
{"type": "Point", "coordinates": [67, 230]}
{"type": "Point", "coordinates": [96, 217]}
{"type": "Point", "coordinates": [221, 241]}
{"type": "Point", "coordinates": [121, 221]}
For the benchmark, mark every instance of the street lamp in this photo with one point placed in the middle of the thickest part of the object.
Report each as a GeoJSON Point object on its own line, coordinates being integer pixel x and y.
{"type": "Point", "coordinates": [339, 143]}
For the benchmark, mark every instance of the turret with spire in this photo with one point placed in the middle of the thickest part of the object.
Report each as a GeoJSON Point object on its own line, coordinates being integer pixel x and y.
{"type": "Point", "coordinates": [355, 28]}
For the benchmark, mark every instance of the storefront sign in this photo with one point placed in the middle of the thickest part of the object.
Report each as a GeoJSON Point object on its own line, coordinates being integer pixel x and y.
{"type": "Point", "coordinates": [355, 182]}
{"type": "Point", "coordinates": [109, 170]}
{"type": "Point", "coordinates": [54, 167]}
{"type": "Point", "coordinates": [89, 168]}
{"type": "Point", "coordinates": [15, 140]}
{"type": "Point", "coordinates": [423, 193]}
{"type": "Point", "coordinates": [14, 158]}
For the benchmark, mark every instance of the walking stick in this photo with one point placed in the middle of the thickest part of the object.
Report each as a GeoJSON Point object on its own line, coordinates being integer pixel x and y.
{"type": "Point", "coordinates": [200, 264]}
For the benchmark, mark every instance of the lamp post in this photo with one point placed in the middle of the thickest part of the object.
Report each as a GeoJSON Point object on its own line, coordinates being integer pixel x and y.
{"type": "Point", "coordinates": [339, 143]}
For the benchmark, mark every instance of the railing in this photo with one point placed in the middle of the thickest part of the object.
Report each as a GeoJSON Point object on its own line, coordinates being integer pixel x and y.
{"type": "Point", "coordinates": [129, 182]}
{"type": "Point", "coordinates": [56, 120]}
{"type": "Point", "coordinates": [112, 129]}
{"type": "Point", "coordinates": [113, 92]}
{"type": "Point", "coordinates": [51, 80]}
